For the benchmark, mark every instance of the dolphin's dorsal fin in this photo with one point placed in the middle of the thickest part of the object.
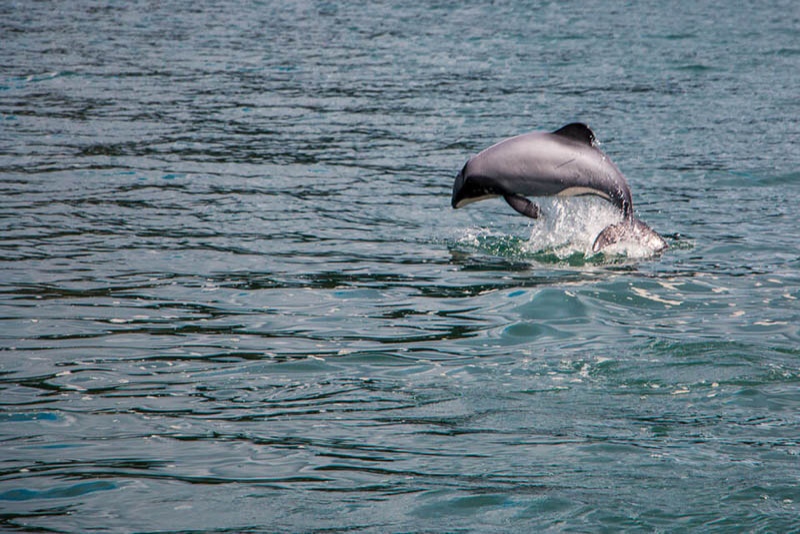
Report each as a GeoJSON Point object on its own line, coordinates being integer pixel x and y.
{"type": "Point", "coordinates": [577, 131]}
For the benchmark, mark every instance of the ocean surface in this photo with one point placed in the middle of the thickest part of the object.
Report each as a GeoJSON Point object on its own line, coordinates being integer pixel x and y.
{"type": "Point", "coordinates": [234, 296]}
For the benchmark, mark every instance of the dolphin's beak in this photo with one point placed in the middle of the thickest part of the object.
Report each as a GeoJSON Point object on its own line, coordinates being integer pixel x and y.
{"type": "Point", "coordinates": [458, 186]}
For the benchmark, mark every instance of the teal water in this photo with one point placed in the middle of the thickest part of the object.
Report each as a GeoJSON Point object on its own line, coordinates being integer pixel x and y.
{"type": "Point", "coordinates": [234, 296]}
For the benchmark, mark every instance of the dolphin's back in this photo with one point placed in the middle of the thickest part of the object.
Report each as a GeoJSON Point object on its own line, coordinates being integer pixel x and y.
{"type": "Point", "coordinates": [564, 162]}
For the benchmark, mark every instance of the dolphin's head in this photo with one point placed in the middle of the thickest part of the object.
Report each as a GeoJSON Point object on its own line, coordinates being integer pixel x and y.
{"type": "Point", "coordinates": [466, 189]}
{"type": "Point", "coordinates": [458, 186]}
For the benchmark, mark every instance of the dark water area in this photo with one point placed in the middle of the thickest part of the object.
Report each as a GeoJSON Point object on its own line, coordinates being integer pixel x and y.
{"type": "Point", "coordinates": [234, 296]}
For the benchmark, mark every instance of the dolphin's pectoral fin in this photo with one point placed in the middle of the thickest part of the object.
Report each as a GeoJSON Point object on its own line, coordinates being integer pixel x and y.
{"type": "Point", "coordinates": [523, 205]}
{"type": "Point", "coordinates": [634, 230]}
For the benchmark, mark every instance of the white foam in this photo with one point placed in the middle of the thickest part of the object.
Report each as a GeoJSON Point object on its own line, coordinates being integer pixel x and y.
{"type": "Point", "coordinates": [568, 226]}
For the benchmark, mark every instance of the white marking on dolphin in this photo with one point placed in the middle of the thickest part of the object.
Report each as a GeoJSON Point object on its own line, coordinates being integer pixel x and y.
{"type": "Point", "coordinates": [565, 162]}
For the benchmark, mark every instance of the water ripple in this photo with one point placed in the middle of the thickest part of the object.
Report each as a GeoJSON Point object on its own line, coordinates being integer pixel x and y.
{"type": "Point", "coordinates": [233, 295]}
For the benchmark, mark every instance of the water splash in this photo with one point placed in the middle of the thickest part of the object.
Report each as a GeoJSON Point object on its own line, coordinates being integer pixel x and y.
{"type": "Point", "coordinates": [568, 226]}
{"type": "Point", "coordinates": [564, 232]}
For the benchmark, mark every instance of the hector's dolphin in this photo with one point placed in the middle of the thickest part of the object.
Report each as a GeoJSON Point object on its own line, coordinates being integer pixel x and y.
{"type": "Point", "coordinates": [566, 162]}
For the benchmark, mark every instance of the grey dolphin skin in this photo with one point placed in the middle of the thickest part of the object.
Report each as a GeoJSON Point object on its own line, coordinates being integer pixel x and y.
{"type": "Point", "coordinates": [565, 162]}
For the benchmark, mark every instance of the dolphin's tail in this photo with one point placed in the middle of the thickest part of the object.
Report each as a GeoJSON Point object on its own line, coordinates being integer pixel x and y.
{"type": "Point", "coordinates": [629, 230]}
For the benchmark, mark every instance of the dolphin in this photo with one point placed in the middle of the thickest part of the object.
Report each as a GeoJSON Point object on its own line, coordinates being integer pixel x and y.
{"type": "Point", "coordinates": [565, 162]}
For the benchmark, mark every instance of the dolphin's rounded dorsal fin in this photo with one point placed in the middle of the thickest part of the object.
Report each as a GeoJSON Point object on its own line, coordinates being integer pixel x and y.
{"type": "Point", "coordinates": [577, 131]}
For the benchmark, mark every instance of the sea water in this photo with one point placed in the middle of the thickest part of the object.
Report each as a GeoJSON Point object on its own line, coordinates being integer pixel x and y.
{"type": "Point", "coordinates": [234, 296]}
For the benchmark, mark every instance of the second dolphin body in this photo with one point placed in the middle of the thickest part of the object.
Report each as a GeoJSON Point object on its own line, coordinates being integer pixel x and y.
{"type": "Point", "coordinates": [565, 162]}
